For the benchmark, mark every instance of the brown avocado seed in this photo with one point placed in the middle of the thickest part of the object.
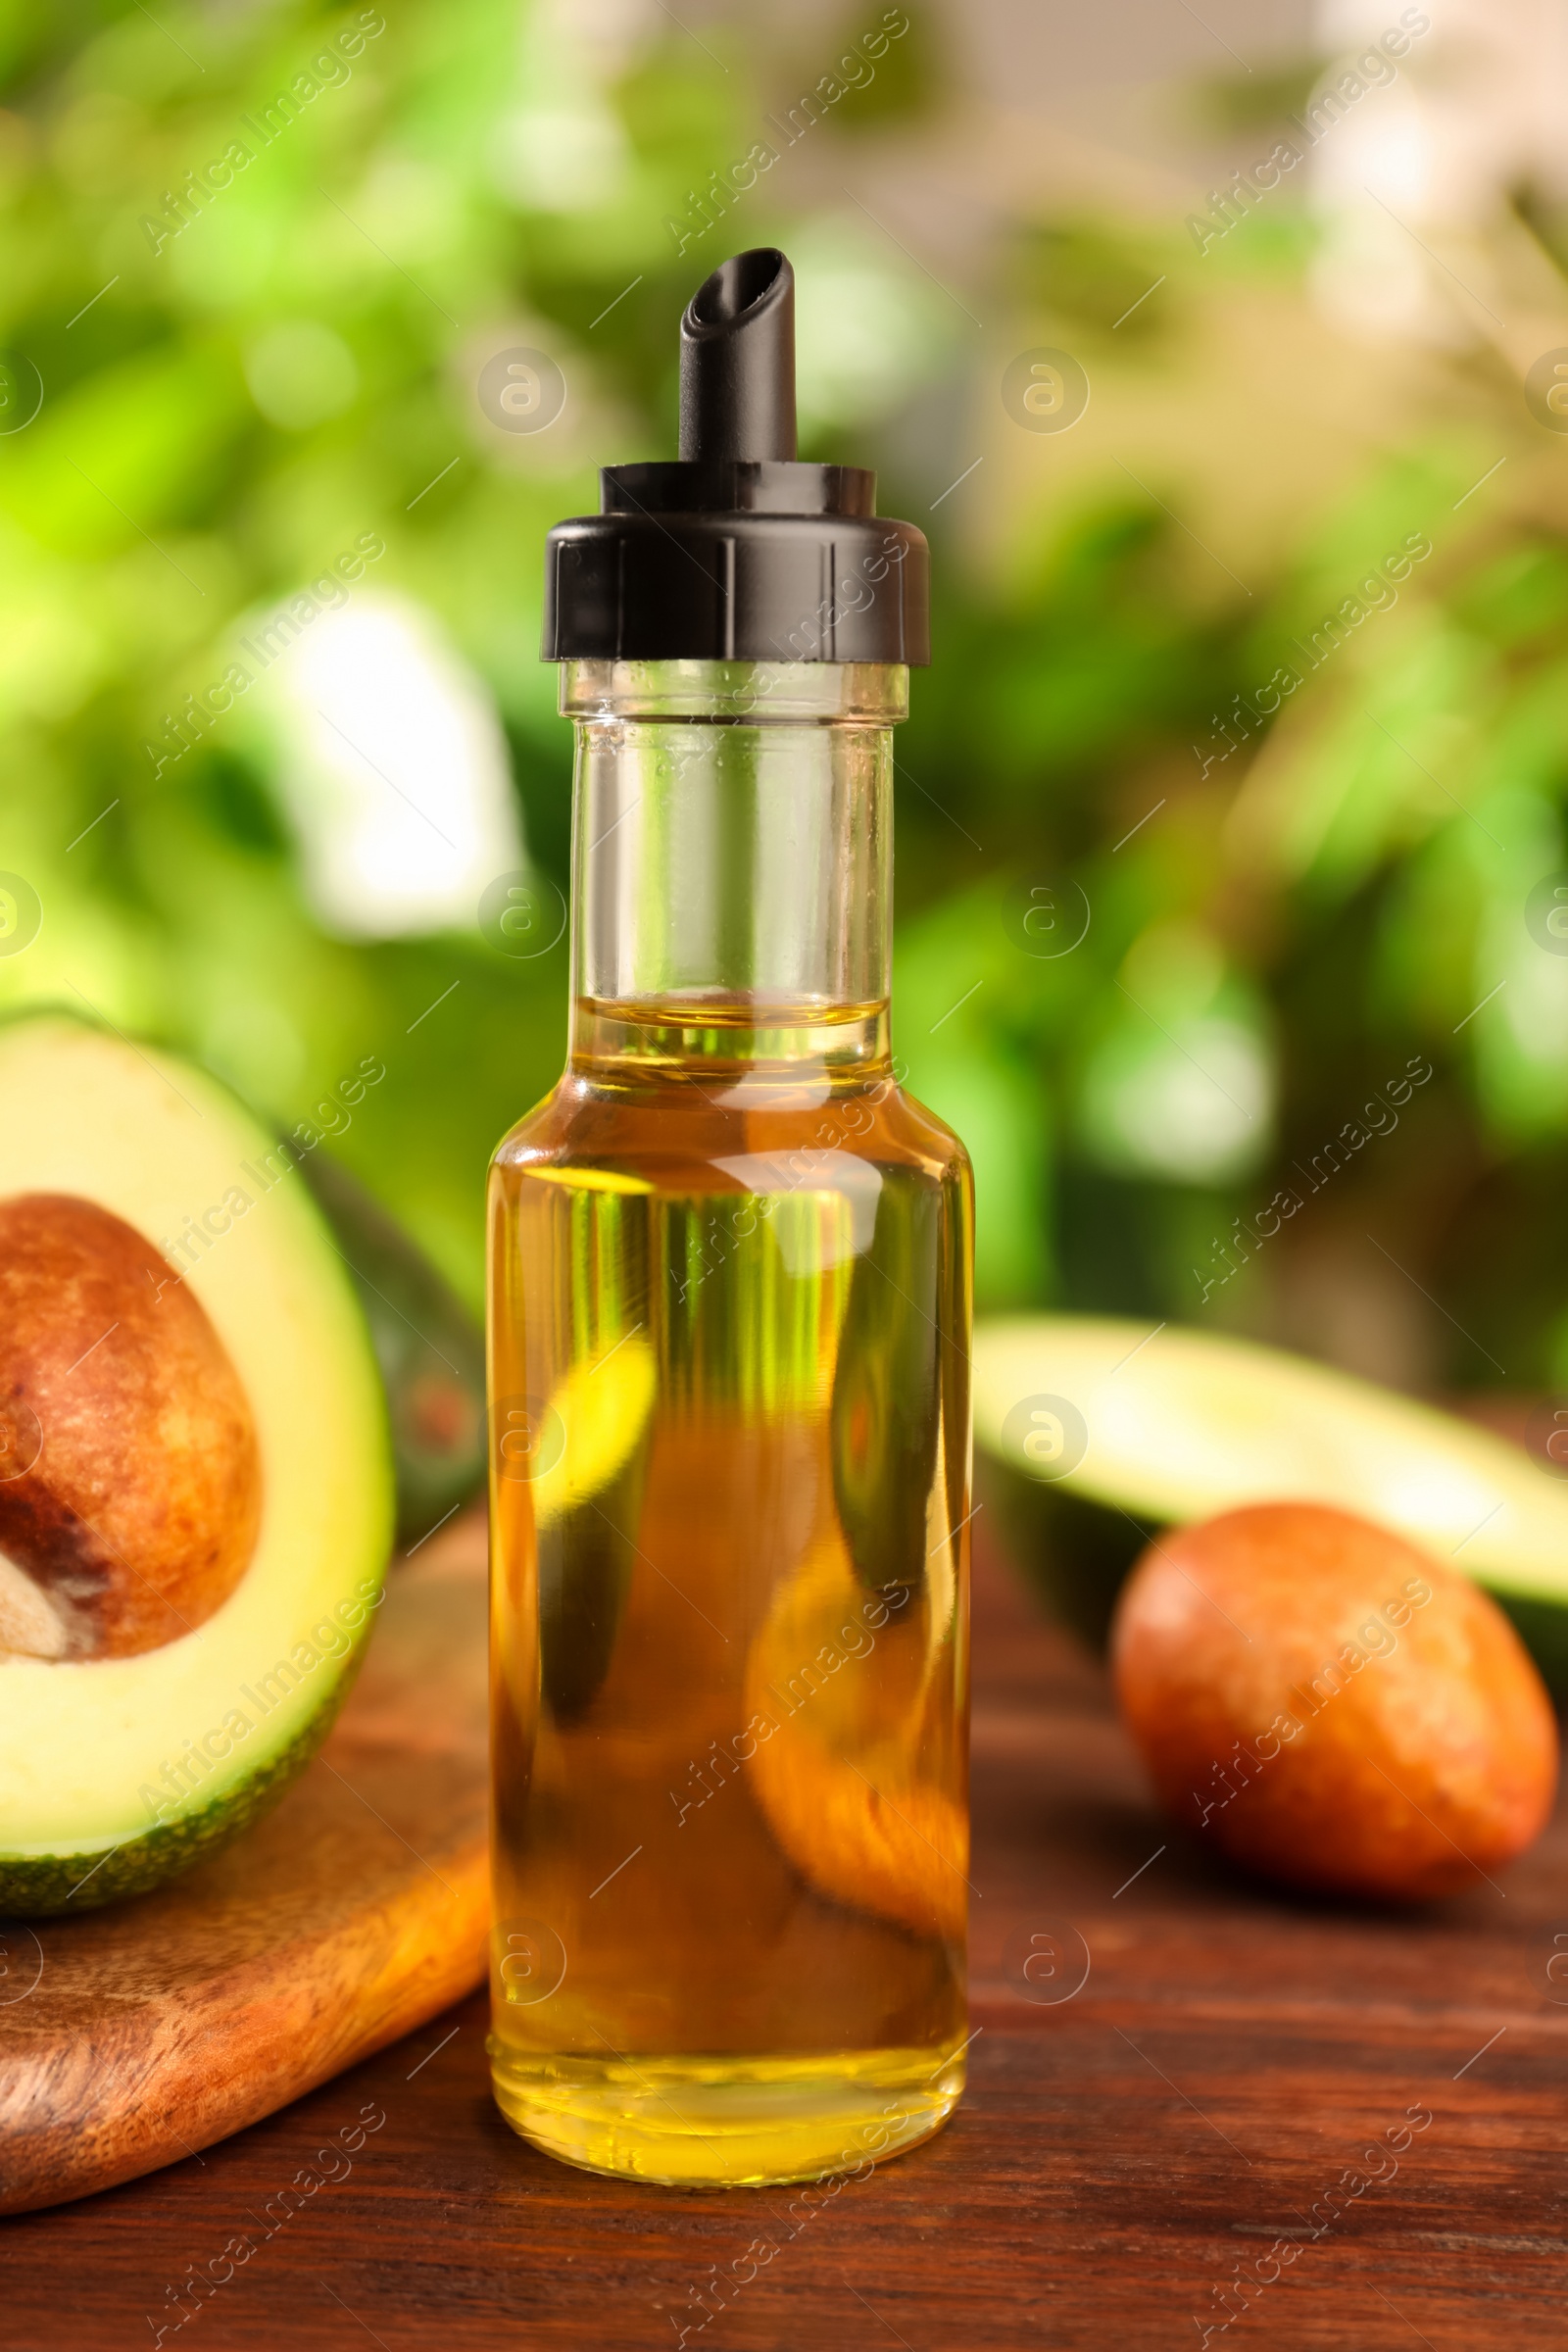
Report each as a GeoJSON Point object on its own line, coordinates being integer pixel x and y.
{"type": "Point", "coordinates": [129, 1481]}
{"type": "Point", "coordinates": [1332, 1707]}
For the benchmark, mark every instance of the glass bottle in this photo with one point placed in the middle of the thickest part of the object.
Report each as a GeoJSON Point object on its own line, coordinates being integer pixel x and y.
{"type": "Point", "coordinates": [729, 1324]}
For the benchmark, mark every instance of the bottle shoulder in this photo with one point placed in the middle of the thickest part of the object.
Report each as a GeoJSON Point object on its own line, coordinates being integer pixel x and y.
{"type": "Point", "coordinates": [937, 1138]}
{"type": "Point", "coordinates": [664, 1136]}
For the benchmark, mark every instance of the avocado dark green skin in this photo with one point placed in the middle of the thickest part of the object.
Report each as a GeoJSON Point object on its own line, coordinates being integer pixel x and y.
{"type": "Point", "coordinates": [429, 1348]}
{"type": "Point", "coordinates": [56, 1885]}
{"type": "Point", "coordinates": [886, 1414]}
{"type": "Point", "coordinates": [1075, 1553]}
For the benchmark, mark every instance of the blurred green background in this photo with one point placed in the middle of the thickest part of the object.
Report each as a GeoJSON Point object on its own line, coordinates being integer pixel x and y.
{"type": "Point", "coordinates": [1285, 907]}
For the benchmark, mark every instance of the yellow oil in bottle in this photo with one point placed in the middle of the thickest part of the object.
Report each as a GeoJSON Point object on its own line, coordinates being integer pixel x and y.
{"type": "Point", "coordinates": [729, 1322]}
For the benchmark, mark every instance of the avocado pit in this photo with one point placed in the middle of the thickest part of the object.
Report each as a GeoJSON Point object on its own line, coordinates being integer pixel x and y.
{"type": "Point", "coordinates": [130, 1476]}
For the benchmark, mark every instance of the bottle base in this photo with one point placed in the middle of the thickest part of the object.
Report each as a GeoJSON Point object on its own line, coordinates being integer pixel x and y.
{"type": "Point", "coordinates": [726, 2122]}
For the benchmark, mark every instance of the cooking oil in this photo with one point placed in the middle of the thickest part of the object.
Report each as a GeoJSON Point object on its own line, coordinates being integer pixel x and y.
{"type": "Point", "coordinates": [729, 1640]}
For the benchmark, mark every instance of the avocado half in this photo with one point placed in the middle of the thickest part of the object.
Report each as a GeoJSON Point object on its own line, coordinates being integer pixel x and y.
{"type": "Point", "coordinates": [196, 1492]}
{"type": "Point", "coordinates": [1094, 1433]}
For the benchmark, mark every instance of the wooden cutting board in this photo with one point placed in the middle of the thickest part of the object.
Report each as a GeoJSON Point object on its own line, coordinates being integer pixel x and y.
{"type": "Point", "coordinates": [136, 2035]}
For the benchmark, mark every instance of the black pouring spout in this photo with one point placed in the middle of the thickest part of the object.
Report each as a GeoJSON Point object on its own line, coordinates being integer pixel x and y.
{"type": "Point", "coordinates": [737, 361]}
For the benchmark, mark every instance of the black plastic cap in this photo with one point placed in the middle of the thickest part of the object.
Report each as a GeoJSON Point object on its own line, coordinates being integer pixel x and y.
{"type": "Point", "coordinates": [737, 552]}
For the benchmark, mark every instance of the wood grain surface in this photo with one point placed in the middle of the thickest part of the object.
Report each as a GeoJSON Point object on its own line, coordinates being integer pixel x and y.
{"type": "Point", "coordinates": [1120, 2151]}
{"type": "Point", "coordinates": [358, 1908]}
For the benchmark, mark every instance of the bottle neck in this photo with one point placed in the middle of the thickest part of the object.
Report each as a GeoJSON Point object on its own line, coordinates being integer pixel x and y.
{"type": "Point", "coordinates": [732, 863]}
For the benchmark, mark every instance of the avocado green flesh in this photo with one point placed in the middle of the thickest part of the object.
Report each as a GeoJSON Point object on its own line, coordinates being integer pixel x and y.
{"type": "Point", "coordinates": [1182, 1425]}
{"type": "Point", "coordinates": [117, 1772]}
{"type": "Point", "coordinates": [39, 1885]}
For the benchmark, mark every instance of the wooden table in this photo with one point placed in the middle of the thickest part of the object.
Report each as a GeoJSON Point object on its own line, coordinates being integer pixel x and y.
{"type": "Point", "coordinates": [1121, 2153]}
